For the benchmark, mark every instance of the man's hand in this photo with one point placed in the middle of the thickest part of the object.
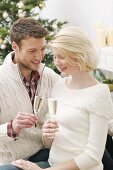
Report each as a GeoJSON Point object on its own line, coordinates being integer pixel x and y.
{"type": "Point", "coordinates": [25, 165]}
{"type": "Point", "coordinates": [23, 120]}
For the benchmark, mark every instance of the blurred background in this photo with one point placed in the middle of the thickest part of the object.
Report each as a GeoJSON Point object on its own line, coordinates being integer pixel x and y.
{"type": "Point", "coordinates": [94, 16]}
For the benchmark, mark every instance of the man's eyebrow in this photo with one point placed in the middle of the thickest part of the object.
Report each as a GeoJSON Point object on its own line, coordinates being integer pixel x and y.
{"type": "Point", "coordinates": [31, 49]}
{"type": "Point", "coordinates": [36, 48]}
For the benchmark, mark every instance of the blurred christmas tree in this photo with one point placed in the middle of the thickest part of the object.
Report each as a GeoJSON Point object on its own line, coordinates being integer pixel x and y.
{"type": "Point", "coordinates": [12, 10]}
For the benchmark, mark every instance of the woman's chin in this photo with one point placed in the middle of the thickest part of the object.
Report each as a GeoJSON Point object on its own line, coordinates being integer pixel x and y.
{"type": "Point", "coordinates": [63, 74]}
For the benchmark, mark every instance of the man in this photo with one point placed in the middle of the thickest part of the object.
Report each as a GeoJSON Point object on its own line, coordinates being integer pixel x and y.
{"type": "Point", "coordinates": [22, 76]}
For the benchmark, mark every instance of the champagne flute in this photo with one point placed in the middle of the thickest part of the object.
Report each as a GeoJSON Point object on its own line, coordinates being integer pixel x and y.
{"type": "Point", "coordinates": [38, 100]}
{"type": "Point", "coordinates": [37, 104]}
{"type": "Point", "coordinates": [52, 106]}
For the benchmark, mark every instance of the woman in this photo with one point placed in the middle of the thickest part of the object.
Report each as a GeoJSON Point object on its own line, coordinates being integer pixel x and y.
{"type": "Point", "coordinates": [78, 134]}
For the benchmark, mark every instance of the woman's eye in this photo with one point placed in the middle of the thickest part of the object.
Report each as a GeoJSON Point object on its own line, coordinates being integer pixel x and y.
{"type": "Point", "coordinates": [59, 57]}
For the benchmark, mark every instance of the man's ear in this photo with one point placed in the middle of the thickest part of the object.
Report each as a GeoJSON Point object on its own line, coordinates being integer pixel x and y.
{"type": "Point", "coordinates": [14, 46]}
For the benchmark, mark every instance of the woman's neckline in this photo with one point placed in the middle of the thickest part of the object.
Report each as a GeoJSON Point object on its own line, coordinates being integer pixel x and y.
{"type": "Point", "coordinates": [80, 89]}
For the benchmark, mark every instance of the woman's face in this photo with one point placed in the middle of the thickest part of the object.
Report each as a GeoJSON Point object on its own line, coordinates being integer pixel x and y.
{"type": "Point", "coordinates": [62, 63]}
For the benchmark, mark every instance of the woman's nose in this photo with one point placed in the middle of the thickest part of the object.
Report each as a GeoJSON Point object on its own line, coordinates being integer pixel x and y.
{"type": "Point", "coordinates": [57, 62]}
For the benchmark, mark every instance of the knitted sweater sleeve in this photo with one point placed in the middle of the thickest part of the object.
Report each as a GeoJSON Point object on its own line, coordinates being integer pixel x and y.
{"type": "Point", "coordinates": [100, 110]}
{"type": "Point", "coordinates": [4, 137]}
{"type": "Point", "coordinates": [4, 133]}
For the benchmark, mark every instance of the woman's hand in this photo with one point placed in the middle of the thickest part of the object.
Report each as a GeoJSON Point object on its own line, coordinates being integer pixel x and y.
{"type": "Point", "coordinates": [25, 165]}
{"type": "Point", "coordinates": [49, 128]}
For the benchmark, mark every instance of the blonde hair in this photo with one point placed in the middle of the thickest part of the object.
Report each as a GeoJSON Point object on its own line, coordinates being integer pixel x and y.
{"type": "Point", "coordinates": [72, 40]}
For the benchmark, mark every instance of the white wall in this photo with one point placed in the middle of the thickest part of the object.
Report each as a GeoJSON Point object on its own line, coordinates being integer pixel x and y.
{"type": "Point", "coordinates": [83, 13]}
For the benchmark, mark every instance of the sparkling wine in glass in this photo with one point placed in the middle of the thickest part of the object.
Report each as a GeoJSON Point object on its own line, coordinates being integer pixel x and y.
{"type": "Point", "coordinates": [52, 106]}
{"type": "Point", "coordinates": [37, 104]}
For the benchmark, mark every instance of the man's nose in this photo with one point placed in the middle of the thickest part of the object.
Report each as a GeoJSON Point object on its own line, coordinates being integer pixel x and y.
{"type": "Point", "coordinates": [38, 56]}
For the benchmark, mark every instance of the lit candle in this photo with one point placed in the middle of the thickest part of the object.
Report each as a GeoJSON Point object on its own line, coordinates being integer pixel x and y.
{"type": "Point", "coordinates": [110, 37]}
{"type": "Point", "coordinates": [100, 33]}
{"type": "Point", "coordinates": [101, 37]}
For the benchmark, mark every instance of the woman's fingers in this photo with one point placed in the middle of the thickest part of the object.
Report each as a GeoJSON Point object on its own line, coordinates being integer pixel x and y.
{"type": "Point", "coordinates": [50, 124]}
{"type": "Point", "coordinates": [49, 128]}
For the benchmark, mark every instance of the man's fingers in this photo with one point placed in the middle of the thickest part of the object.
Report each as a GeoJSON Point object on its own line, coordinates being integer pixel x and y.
{"type": "Point", "coordinates": [20, 164]}
{"type": "Point", "coordinates": [26, 122]}
{"type": "Point", "coordinates": [25, 165]}
{"type": "Point", "coordinates": [25, 118]}
{"type": "Point", "coordinates": [22, 116]}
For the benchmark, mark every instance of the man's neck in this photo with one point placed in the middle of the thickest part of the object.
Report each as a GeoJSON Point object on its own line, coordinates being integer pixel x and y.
{"type": "Point", "coordinates": [25, 72]}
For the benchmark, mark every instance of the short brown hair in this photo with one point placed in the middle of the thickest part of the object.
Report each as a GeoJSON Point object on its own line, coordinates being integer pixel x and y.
{"type": "Point", "coordinates": [25, 28]}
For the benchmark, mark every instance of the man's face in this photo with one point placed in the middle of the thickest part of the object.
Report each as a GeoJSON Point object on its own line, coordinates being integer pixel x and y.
{"type": "Point", "coordinates": [31, 53]}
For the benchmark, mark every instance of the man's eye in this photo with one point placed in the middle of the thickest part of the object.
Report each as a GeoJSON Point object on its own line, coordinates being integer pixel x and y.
{"type": "Point", "coordinates": [43, 49]}
{"type": "Point", "coordinates": [32, 51]}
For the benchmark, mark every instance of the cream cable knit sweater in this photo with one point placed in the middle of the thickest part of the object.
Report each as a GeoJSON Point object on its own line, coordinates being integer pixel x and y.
{"type": "Point", "coordinates": [14, 98]}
